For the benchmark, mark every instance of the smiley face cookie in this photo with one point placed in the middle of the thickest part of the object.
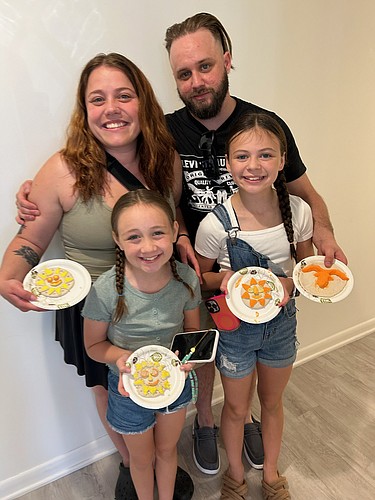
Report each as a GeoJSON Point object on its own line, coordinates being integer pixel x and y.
{"type": "Point", "coordinates": [53, 282]}
{"type": "Point", "coordinates": [151, 378]}
{"type": "Point", "coordinates": [256, 294]}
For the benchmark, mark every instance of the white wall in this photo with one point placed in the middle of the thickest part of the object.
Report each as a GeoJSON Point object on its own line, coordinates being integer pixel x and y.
{"type": "Point", "coordinates": [312, 62]}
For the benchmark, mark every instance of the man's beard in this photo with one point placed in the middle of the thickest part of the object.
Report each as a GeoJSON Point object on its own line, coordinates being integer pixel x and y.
{"type": "Point", "coordinates": [207, 111]}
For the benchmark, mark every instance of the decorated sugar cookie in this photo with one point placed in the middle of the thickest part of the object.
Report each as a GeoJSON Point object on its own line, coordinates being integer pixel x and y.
{"type": "Point", "coordinates": [53, 282]}
{"type": "Point", "coordinates": [151, 378]}
{"type": "Point", "coordinates": [257, 293]}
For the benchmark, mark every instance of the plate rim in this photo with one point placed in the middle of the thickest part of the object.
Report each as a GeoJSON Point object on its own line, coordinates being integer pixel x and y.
{"type": "Point", "coordinates": [63, 263]}
{"type": "Point", "coordinates": [152, 404]}
{"type": "Point", "coordinates": [317, 298]}
{"type": "Point", "coordinates": [244, 317]}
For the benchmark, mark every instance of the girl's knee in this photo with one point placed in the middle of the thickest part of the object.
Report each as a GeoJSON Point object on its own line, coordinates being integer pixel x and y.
{"type": "Point", "coordinates": [271, 406]}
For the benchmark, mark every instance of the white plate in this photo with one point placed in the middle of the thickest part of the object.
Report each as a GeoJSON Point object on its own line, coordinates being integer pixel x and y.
{"type": "Point", "coordinates": [264, 304]}
{"type": "Point", "coordinates": [34, 279]}
{"type": "Point", "coordinates": [307, 282]}
{"type": "Point", "coordinates": [168, 383]}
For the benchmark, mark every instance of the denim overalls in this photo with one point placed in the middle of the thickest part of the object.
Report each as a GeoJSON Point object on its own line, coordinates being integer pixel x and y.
{"type": "Point", "coordinates": [272, 343]}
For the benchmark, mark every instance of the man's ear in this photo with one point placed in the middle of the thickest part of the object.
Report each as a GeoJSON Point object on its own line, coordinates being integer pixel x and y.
{"type": "Point", "coordinates": [227, 61]}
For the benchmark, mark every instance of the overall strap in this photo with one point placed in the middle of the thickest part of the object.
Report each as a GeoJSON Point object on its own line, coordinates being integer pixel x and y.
{"type": "Point", "coordinates": [222, 214]}
{"type": "Point", "coordinates": [241, 253]}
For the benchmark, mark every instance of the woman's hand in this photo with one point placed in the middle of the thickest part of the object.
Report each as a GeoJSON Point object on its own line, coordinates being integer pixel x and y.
{"type": "Point", "coordinates": [13, 291]}
{"type": "Point", "coordinates": [123, 367]}
{"type": "Point", "coordinates": [26, 211]}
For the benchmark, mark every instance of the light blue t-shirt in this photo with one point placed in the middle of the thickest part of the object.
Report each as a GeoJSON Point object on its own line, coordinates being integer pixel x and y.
{"type": "Point", "coordinates": [152, 318]}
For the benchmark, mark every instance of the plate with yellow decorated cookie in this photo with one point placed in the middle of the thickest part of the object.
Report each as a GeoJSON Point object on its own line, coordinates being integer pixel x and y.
{"type": "Point", "coordinates": [155, 380]}
{"type": "Point", "coordinates": [254, 294]}
{"type": "Point", "coordinates": [58, 283]}
{"type": "Point", "coordinates": [320, 283]}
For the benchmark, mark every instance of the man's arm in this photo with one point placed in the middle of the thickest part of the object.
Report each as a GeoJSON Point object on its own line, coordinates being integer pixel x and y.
{"type": "Point", "coordinates": [323, 237]}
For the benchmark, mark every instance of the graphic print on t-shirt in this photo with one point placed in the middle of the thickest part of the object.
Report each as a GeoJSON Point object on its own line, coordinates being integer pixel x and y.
{"type": "Point", "coordinates": [204, 193]}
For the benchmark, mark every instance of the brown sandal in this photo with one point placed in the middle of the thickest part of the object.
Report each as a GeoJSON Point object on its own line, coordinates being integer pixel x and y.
{"type": "Point", "coordinates": [279, 490]}
{"type": "Point", "coordinates": [231, 490]}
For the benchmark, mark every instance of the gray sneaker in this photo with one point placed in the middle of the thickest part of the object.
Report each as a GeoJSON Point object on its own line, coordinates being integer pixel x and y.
{"type": "Point", "coordinates": [205, 452]}
{"type": "Point", "coordinates": [253, 444]}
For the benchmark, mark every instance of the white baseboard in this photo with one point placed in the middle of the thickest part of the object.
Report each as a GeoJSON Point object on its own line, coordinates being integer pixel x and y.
{"type": "Point", "coordinates": [45, 473]}
{"type": "Point", "coordinates": [334, 341]}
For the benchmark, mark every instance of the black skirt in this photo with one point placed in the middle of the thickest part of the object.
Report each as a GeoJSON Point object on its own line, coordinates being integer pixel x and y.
{"type": "Point", "coordinates": [69, 332]}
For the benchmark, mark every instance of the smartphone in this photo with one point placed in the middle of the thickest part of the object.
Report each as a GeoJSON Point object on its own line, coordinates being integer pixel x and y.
{"type": "Point", "coordinates": [204, 341]}
{"type": "Point", "coordinates": [222, 316]}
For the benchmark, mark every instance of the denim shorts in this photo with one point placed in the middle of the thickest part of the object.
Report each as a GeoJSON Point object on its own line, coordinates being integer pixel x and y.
{"type": "Point", "coordinates": [273, 344]}
{"type": "Point", "coordinates": [126, 417]}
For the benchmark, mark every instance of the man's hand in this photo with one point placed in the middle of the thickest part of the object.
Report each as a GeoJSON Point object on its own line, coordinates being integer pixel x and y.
{"type": "Point", "coordinates": [187, 254]}
{"type": "Point", "coordinates": [326, 245]}
{"type": "Point", "coordinates": [27, 211]}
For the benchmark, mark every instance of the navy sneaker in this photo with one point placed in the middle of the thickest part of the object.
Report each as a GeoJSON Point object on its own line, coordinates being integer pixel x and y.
{"type": "Point", "coordinates": [184, 486]}
{"type": "Point", "coordinates": [205, 451]}
{"type": "Point", "coordinates": [253, 444]}
{"type": "Point", "coordinates": [124, 487]}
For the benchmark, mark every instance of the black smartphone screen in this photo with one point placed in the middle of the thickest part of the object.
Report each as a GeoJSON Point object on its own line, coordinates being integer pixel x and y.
{"type": "Point", "coordinates": [183, 342]}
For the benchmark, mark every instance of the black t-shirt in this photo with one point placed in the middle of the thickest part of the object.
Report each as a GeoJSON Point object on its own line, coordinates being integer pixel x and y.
{"type": "Point", "coordinates": [201, 194]}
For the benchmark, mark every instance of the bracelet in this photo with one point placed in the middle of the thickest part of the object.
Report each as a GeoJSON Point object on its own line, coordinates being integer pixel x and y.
{"type": "Point", "coordinates": [295, 293]}
{"type": "Point", "coordinates": [182, 234]}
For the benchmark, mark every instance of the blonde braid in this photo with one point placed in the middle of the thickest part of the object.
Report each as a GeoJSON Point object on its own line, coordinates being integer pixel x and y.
{"type": "Point", "coordinates": [121, 308]}
{"type": "Point", "coordinates": [177, 277]}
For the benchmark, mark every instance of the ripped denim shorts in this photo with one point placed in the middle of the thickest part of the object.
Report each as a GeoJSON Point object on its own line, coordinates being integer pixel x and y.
{"type": "Point", "coordinates": [273, 344]}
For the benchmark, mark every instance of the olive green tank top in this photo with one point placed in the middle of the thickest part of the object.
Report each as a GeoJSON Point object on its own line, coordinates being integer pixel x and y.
{"type": "Point", "coordinates": [87, 237]}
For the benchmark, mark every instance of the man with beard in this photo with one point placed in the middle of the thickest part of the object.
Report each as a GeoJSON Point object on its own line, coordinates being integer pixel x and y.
{"type": "Point", "coordinates": [200, 53]}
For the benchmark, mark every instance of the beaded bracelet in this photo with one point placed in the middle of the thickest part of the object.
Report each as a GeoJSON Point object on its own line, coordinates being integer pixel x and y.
{"type": "Point", "coordinates": [193, 377]}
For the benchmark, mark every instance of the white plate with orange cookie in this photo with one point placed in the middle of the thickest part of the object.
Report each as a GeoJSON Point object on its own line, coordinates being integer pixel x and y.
{"type": "Point", "coordinates": [155, 380]}
{"type": "Point", "coordinates": [254, 294]}
{"type": "Point", "coordinates": [320, 283]}
{"type": "Point", "coordinates": [58, 283]}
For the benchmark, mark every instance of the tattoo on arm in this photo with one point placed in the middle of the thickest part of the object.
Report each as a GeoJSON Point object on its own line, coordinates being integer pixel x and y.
{"type": "Point", "coordinates": [28, 254]}
{"type": "Point", "coordinates": [21, 228]}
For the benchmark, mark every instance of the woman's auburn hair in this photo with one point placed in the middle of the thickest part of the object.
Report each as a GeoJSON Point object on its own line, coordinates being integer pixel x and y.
{"type": "Point", "coordinates": [85, 155]}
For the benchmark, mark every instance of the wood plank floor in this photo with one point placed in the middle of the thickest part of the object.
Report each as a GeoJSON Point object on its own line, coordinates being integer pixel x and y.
{"type": "Point", "coordinates": [328, 448]}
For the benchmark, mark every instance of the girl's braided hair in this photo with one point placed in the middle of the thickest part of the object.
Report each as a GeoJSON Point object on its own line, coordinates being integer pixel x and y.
{"type": "Point", "coordinates": [130, 199]}
{"type": "Point", "coordinates": [263, 121]}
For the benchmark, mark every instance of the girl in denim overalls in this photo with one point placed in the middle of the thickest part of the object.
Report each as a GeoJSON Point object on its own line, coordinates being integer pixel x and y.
{"type": "Point", "coordinates": [260, 225]}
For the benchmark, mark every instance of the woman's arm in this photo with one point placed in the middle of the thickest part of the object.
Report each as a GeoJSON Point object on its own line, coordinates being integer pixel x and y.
{"type": "Point", "coordinates": [52, 190]}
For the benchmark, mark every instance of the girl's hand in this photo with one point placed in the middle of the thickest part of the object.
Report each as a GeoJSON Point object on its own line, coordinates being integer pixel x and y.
{"type": "Point", "coordinates": [123, 367]}
{"type": "Point", "coordinates": [288, 287]}
{"type": "Point", "coordinates": [187, 367]}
